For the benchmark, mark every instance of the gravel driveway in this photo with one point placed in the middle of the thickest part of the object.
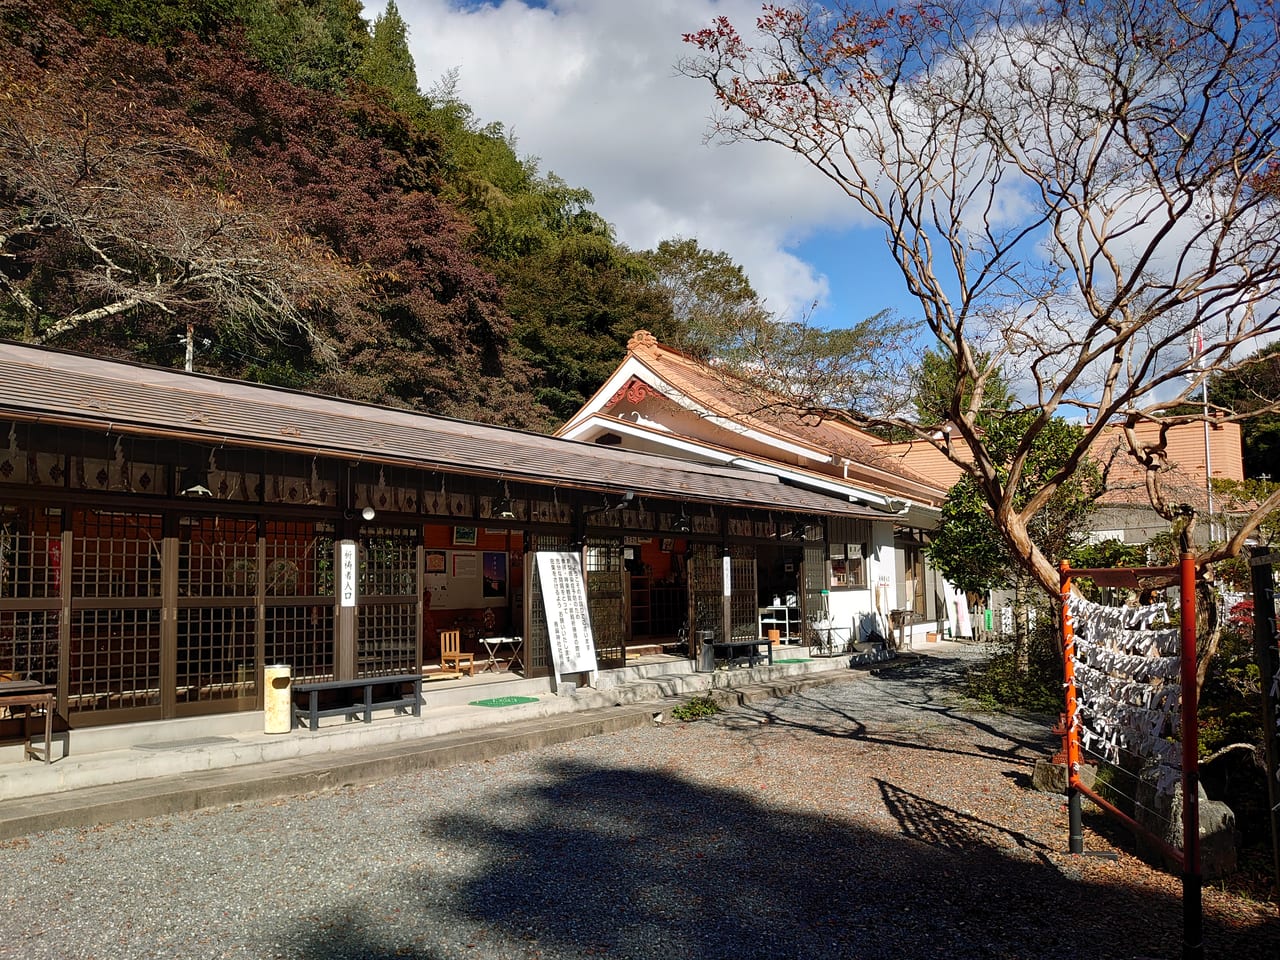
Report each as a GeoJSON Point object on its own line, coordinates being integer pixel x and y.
{"type": "Point", "coordinates": [879, 818]}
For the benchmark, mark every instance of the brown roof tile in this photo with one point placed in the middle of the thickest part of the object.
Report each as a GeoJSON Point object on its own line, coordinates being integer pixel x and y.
{"type": "Point", "coordinates": [55, 386]}
{"type": "Point", "coordinates": [731, 397]}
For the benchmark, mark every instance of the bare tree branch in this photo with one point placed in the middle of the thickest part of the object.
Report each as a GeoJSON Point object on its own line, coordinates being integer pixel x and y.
{"type": "Point", "coordinates": [141, 210]}
{"type": "Point", "coordinates": [1073, 191]}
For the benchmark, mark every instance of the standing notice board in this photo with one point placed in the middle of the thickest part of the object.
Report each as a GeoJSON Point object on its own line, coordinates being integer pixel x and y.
{"type": "Point", "coordinates": [564, 597]}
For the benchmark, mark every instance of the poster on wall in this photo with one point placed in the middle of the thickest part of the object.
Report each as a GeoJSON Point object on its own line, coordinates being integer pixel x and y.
{"type": "Point", "coordinates": [495, 575]}
{"type": "Point", "coordinates": [564, 596]}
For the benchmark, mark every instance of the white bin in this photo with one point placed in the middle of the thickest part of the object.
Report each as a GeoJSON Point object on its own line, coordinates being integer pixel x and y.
{"type": "Point", "coordinates": [277, 700]}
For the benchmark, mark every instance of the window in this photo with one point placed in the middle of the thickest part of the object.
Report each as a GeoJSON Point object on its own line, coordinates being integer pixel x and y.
{"type": "Point", "coordinates": [848, 565]}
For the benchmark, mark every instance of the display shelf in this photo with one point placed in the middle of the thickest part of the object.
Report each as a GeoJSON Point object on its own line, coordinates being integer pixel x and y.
{"type": "Point", "coordinates": [784, 619]}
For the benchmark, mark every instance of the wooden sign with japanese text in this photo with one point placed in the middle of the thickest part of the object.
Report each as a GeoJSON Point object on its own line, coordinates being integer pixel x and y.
{"type": "Point", "coordinates": [564, 596]}
{"type": "Point", "coordinates": [347, 570]}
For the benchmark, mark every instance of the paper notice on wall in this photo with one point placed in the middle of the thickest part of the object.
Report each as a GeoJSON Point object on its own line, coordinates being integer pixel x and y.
{"type": "Point", "coordinates": [347, 572]}
{"type": "Point", "coordinates": [564, 597]}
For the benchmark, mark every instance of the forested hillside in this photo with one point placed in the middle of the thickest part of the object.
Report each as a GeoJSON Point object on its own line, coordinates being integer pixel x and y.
{"type": "Point", "coordinates": [265, 179]}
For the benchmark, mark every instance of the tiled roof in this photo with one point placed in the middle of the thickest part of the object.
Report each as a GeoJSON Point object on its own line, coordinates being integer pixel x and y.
{"type": "Point", "coordinates": [732, 398]}
{"type": "Point", "coordinates": [49, 386]}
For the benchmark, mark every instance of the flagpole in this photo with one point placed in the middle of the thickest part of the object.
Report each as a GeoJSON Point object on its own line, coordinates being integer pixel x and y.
{"type": "Point", "coordinates": [1197, 351]}
{"type": "Point", "coordinates": [1208, 462]}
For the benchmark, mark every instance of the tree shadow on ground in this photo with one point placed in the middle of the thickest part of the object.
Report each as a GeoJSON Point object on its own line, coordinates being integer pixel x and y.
{"type": "Point", "coordinates": [927, 686]}
{"type": "Point", "coordinates": [637, 864]}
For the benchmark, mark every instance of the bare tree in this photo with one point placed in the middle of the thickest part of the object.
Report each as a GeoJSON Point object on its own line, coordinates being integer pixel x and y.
{"type": "Point", "coordinates": [1073, 192]}
{"type": "Point", "coordinates": [108, 205]}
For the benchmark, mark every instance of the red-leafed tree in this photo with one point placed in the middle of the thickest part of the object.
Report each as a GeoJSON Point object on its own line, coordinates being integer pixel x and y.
{"type": "Point", "coordinates": [301, 231]}
{"type": "Point", "coordinates": [362, 180]}
{"type": "Point", "coordinates": [111, 207]}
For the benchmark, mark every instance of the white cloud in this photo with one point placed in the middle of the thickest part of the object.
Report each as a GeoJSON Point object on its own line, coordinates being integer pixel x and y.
{"type": "Point", "coordinates": [590, 88]}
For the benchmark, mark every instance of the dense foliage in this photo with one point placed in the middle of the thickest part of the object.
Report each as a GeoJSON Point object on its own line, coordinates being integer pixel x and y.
{"type": "Point", "coordinates": [266, 180]}
{"type": "Point", "coordinates": [1253, 388]}
{"type": "Point", "coordinates": [969, 549]}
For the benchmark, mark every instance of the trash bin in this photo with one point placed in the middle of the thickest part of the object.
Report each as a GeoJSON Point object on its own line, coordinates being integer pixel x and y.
{"type": "Point", "coordinates": [706, 652]}
{"type": "Point", "coordinates": [277, 698]}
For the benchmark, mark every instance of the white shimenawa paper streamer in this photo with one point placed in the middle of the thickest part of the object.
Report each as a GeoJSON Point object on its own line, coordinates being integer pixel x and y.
{"type": "Point", "coordinates": [1128, 695]}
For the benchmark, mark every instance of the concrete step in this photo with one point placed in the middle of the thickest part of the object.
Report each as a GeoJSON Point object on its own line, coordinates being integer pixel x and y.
{"type": "Point", "coordinates": [208, 770]}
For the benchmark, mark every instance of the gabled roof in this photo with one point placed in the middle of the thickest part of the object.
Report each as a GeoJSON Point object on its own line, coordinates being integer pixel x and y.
{"type": "Point", "coordinates": [56, 387]}
{"type": "Point", "coordinates": [849, 455]}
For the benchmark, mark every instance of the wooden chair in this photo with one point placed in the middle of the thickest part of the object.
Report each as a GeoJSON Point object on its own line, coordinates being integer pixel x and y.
{"type": "Point", "coordinates": [451, 652]}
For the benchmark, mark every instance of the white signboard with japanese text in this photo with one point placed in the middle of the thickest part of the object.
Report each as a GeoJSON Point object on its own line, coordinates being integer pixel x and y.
{"type": "Point", "coordinates": [347, 573]}
{"type": "Point", "coordinates": [564, 596]}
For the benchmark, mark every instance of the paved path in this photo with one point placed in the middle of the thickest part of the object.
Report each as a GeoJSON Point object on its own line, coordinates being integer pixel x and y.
{"type": "Point", "coordinates": [873, 818]}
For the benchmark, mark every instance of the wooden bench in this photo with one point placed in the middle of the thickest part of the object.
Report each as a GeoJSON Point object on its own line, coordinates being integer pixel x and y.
{"type": "Point", "coordinates": [751, 647]}
{"type": "Point", "coordinates": [29, 695]}
{"type": "Point", "coordinates": [363, 707]}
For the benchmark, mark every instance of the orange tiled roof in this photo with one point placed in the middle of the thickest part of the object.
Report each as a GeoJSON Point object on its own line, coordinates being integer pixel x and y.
{"type": "Point", "coordinates": [728, 396]}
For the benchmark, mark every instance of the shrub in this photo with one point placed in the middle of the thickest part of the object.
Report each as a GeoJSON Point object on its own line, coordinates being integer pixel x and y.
{"type": "Point", "coordinates": [696, 708]}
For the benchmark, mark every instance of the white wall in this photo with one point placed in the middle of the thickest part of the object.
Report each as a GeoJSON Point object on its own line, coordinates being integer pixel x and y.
{"type": "Point", "coordinates": [866, 609]}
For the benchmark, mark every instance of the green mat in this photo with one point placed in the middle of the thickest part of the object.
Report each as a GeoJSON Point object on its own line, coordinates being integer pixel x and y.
{"type": "Point", "coordinates": [503, 701]}
{"type": "Point", "coordinates": [794, 660]}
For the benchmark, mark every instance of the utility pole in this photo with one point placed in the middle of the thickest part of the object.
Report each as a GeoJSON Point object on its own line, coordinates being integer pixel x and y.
{"type": "Point", "coordinates": [191, 356]}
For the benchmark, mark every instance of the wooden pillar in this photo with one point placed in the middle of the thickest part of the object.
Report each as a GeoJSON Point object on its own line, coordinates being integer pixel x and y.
{"type": "Point", "coordinates": [260, 622]}
{"type": "Point", "coordinates": [1266, 653]}
{"type": "Point", "coordinates": [65, 576]}
{"type": "Point", "coordinates": [347, 562]}
{"type": "Point", "coordinates": [169, 548]}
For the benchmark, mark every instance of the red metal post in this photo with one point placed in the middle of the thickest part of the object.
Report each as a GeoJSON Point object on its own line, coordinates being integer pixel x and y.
{"type": "Point", "coordinates": [1075, 835]}
{"type": "Point", "coordinates": [1192, 915]}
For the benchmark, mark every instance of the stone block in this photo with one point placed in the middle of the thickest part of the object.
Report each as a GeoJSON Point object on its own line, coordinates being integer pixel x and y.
{"type": "Point", "coordinates": [1162, 815]}
{"type": "Point", "coordinates": [1050, 777]}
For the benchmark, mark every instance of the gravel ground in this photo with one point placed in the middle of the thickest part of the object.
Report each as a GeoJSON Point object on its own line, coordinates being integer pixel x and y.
{"type": "Point", "coordinates": [879, 818]}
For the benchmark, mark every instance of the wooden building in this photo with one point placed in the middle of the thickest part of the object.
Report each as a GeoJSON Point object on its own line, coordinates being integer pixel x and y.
{"type": "Point", "coordinates": [164, 535]}
{"type": "Point", "coordinates": [869, 573]}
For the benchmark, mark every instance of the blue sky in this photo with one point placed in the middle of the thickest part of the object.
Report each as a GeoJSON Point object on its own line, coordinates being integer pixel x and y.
{"type": "Point", "coordinates": [861, 276]}
{"type": "Point", "coordinates": [590, 88]}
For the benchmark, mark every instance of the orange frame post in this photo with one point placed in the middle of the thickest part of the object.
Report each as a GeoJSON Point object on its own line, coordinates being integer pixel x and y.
{"type": "Point", "coordinates": [1075, 840]}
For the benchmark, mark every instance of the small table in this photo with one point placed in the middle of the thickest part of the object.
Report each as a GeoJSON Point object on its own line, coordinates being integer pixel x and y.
{"type": "Point", "coordinates": [28, 694]}
{"type": "Point", "coordinates": [493, 644]}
